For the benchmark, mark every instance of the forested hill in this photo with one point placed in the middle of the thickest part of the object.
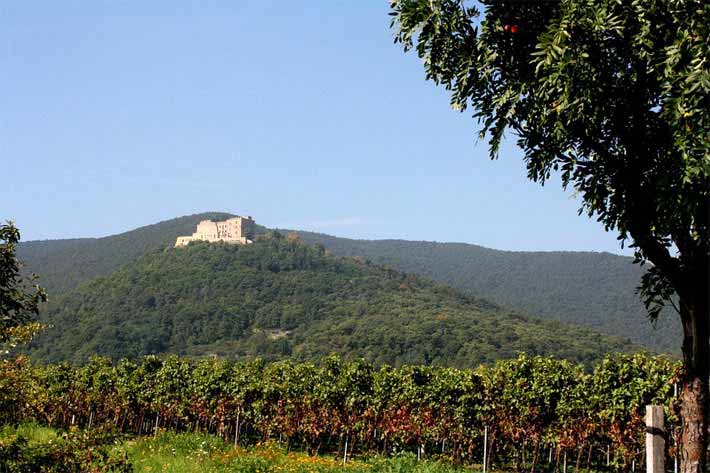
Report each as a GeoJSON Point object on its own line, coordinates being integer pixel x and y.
{"type": "Point", "coordinates": [279, 298]}
{"type": "Point", "coordinates": [594, 289]}
{"type": "Point", "coordinates": [64, 264]}
{"type": "Point", "coordinates": [588, 288]}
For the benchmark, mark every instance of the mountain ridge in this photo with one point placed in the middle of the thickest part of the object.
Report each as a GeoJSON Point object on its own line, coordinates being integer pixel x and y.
{"type": "Point", "coordinates": [280, 298]}
{"type": "Point", "coordinates": [596, 289]}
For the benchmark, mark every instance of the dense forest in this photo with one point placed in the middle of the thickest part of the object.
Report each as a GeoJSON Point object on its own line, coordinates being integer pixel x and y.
{"type": "Point", "coordinates": [280, 298]}
{"type": "Point", "coordinates": [593, 289]}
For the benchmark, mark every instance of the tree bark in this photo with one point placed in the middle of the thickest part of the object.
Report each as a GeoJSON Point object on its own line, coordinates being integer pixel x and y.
{"type": "Point", "coordinates": [694, 406]}
{"type": "Point", "coordinates": [491, 450]}
{"type": "Point", "coordinates": [580, 449]}
{"type": "Point", "coordinates": [536, 455]}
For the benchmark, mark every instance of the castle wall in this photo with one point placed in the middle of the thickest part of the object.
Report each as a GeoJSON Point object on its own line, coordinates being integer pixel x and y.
{"type": "Point", "coordinates": [237, 230]}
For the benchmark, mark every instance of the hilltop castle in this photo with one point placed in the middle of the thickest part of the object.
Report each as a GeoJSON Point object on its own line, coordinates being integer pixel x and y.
{"type": "Point", "coordinates": [237, 230]}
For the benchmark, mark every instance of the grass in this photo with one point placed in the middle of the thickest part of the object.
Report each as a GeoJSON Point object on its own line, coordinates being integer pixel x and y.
{"type": "Point", "coordinates": [34, 433]}
{"type": "Point", "coordinates": [188, 453]}
{"type": "Point", "coordinates": [31, 447]}
{"type": "Point", "coordinates": [193, 453]}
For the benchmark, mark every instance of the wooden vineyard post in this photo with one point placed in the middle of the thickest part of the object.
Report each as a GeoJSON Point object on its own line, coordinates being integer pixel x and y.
{"type": "Point", "coordinates": [238, 430]}
{"type": "Point", "coordinates": [485, 448]}
{"type": "Point", "coordinates": [655, 444]}
{"type": "Point", "coordinates": [345, 451]}
{"type": "Point", "coordinates": [564, 463]}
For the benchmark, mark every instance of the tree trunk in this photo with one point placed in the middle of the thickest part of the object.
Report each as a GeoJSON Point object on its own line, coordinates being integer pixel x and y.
{"type": "Point", "coordinates": [694, 405]}
{"type": "Point", "coordinates": [579, 458]}
{"type": "Point", "coordinates": [491, 445]}
{"type": "Point", "coordinates": [536, 455]}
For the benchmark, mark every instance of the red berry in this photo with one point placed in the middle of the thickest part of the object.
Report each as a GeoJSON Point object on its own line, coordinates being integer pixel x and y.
{"type": "Point", "coordinates": [506, 28]}
{"type": "Point", "coordinates": [514, 29]}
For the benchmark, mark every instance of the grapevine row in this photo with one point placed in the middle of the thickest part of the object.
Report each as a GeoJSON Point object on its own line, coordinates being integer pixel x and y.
{"type": "Point", "coordinates": [534, 409]}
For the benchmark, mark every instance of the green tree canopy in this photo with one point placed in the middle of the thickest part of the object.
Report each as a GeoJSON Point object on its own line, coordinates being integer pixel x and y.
{"type": "Point", "coordinates": [18, 301]}
{"type": "Point", "coordinates": [612, 96]}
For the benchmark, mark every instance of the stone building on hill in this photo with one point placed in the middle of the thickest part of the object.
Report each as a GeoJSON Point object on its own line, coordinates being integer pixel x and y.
{"type": "Point", "coordinates": [237, 230]}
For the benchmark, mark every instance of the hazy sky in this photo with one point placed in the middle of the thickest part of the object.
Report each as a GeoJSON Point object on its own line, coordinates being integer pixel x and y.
{"type": "Point", "coordinates": [117, 114]}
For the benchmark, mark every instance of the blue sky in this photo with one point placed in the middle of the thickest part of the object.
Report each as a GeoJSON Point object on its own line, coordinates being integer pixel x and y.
{"type": "Point", "coordinates": [117, 114]}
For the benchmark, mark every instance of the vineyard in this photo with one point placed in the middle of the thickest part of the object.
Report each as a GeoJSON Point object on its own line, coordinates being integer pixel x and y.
{"type": "Point", "coordinates": [534, 412]}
